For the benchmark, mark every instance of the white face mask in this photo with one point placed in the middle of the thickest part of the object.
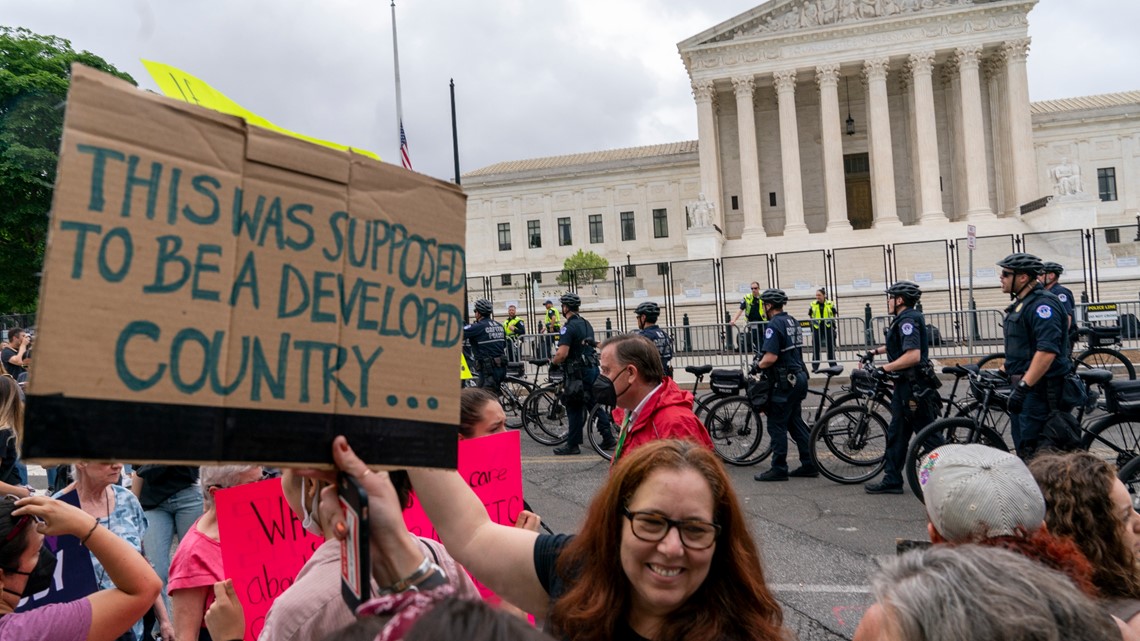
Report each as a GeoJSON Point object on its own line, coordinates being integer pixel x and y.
{"type": "Point", "coordinates": [309, 514]}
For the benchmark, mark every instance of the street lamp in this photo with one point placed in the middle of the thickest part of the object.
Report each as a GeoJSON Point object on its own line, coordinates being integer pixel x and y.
{"type": "Point", "coordinates": [851, 121]}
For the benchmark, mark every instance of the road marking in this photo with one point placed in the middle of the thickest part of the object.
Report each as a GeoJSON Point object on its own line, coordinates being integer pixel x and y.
{"type": "Point", "coordinates": [837, 589]}
{"type": "Point", "coordinates": [580, 458]}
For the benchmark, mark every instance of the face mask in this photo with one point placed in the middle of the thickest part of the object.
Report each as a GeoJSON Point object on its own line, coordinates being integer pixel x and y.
{"type": "Point", "coordinates": [309, 514]}
{"type": "Point", "coordinates": [604, 391]}
{"type": "Point", "coordinates": [40, 578]}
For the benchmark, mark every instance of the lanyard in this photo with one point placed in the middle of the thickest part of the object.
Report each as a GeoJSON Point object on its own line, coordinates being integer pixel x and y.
{"type": "Point", "coordinates": [622, 437]}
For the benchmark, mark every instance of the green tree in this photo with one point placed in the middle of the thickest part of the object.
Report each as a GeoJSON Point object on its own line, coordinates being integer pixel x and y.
{"type": "Point", "coordinates": [35, 72]}
{"type": "Point", "coordinates": [584, 267]}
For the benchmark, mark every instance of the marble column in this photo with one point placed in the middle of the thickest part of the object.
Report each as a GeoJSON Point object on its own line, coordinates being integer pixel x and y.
{"type": "Point", "coordinates": [790, 153]}
{"type": "Point", "coordinates": [834, 189]}
{"type": "Point", "coordinates": [993, 69]}
{"type": "Point", "coordinates": [749, 157]}
{"type": "Point", "coordinates": [1019, 123]}
{"type": "Point", "coordinates": [708, 149]}
{"type": "Point", "coordinates": [974, 137]}
{"type": "Point", "coordinates": [882, 156]}
{"type": "Point", "coordinates": [926, 139]}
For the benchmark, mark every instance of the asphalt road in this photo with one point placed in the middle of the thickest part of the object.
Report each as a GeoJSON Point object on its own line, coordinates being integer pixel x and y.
{"type": "Point", "coordinates": [820, 540]}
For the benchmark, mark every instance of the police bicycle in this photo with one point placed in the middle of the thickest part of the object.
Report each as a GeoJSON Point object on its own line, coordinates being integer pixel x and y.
{"type": "Point", "coordinates": [544, 417]}
{"type": "Point", "coordinates": [991, 389]}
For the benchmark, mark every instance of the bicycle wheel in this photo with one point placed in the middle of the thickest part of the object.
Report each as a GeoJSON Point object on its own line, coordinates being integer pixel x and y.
{"type": "Point", "coordinates": [991, 361]}
{"type": "Point", "coordinates": [1130, 476]}
{"type": "Point", "coordinates": [1114, 438]}
{"type": "Point", "coordinates": [849, 443]}
{"type": "Point", "coordinates": [703, 403]}
{"type": "Point", "coordinates": [596, 433]}
{"type": "Point", "coordinates": [1109, 359]}
{"type": "Point", "coordinates": [513, 397]}
{"type": "Point", "coordinates": [880, 405]}
{"type": "Point", "coordinates": [947, 431]}
{"type": "Point", "coordinates": [997, 418]}
{"type": "Point", "coordinates": [545, 418]}
{"type": "Point", "coordinates": [735, 429]}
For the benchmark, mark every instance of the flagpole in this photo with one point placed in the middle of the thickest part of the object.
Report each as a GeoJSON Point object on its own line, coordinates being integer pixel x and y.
{"type": "Point", "coordinates": [454, 132]}
{"type": "Point", "coordinates": [404, 157]}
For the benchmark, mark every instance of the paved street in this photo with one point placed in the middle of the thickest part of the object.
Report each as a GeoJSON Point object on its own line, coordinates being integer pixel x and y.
{"type": "Point", "coordinates": [819, 539]}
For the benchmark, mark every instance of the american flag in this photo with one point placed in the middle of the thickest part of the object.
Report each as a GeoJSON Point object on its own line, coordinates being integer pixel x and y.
{"type": "Point", "coordinates": [405, 159]}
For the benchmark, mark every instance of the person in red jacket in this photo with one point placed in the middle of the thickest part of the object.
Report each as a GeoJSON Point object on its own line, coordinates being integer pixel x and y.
{"type": "Point", "coordinates": [650, 406]}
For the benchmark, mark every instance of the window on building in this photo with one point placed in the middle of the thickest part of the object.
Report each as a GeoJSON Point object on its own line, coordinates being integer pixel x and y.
{"type": "Point", "coordinates": [735, 202]}
{"type": "Point", "coordinates": [660, 223]}
{"type": "Point", "coordinates": [564, 237]}
{"type": "Point", "coordinates": [505, 279]}
{"type": "Point", "coordinates": [504, 237]}
{"type": "Point", "coordinates": [1112, 235]}
{"type": "Point", "coordinates": [627, 230]}
{"type": "Point", "coordinates": [596, 235]}
{"type": "Point", "coordinates": [1106, 183]}
{"type": "Point", "coordinates": [534, 233]}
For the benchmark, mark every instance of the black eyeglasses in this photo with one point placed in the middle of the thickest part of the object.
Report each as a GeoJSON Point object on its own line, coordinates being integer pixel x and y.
{"type": "Point", "coordinates": [1005, 273]}
{"type": "Point", "coordinates": [651, 527]}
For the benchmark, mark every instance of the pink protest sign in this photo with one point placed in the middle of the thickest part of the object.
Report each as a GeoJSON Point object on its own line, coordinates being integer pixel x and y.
{"type": "Point", "coordinates": [492, 466]}
{"type": "Point", "coordinates": [263, 546]}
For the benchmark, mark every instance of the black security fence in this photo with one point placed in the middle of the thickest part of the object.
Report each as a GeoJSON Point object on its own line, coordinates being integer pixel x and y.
{"type": "Point", "coordinates": [1101, 264]}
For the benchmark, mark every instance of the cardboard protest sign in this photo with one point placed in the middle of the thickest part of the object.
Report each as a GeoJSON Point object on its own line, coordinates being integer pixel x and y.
{"type": "Point", "coordinates": [263, 546]}
{"type": "Point", "coordinates": [492, 466]}
{"type": "Point", "coordinates": [215, 292]}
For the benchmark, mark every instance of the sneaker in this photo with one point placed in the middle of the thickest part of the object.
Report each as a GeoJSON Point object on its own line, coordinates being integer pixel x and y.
{"type": "Point", "coordinates": [567, 450]}
{"type": "Point", "coordinates": [806, 471]}
{"type": "Point", "coordinates": [609, 444]}
{"type": "Point", "coordinates": [771, 475]}
{"type": "Point", "coordinates": [882, 488]}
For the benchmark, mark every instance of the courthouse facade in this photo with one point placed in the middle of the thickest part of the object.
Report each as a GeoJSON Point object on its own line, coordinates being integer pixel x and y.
{"type": "Point", "coordinates": [825, 124]}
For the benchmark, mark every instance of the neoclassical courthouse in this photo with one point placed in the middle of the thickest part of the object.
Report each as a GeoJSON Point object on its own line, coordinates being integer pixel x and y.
{"type": "Point", "coordinates": [833, 124]}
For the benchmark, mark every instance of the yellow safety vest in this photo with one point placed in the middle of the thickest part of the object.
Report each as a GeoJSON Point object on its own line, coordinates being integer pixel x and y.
{"type": "Point", "coordinates": [828, 311]}
{"type": "Point", "coordinates": [510, 325]}
{"type": "Point", "coordinates": [748, 300]}
{"type": "Point", "coordinates": [553, 320]}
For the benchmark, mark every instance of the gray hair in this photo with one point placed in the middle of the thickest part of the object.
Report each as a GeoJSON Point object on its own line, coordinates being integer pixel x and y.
{"type": "Point", "coordinates": [220, 476]}
{"type": "Point", "coordinates": [949, 593]}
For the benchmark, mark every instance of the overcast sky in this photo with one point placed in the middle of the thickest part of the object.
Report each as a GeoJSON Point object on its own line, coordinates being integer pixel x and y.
{"type": "Point", "coordinates": [533, 77]}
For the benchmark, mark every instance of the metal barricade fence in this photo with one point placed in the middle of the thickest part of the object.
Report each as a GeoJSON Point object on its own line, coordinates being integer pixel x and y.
{"type": "Point", "coordinates": [963, 335]}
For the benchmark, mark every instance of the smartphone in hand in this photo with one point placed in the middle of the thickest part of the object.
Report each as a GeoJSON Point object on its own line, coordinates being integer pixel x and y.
{"type": "Point", "coordinates": [355, 566]}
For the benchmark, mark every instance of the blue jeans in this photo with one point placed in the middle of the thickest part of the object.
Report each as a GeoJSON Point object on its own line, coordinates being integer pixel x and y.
{"type": "Point", "coordinates": [173, 516]}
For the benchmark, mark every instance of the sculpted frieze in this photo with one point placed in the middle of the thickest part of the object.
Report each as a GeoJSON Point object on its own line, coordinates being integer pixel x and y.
{"type": "Point", "coordinates": [807, 14]}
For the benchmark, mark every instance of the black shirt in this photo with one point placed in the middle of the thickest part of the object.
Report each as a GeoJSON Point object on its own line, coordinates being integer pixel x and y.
{"type": "Point", "coordinates": [161, 482]}
{"type": "Point", "coordinates": [782, 337]}
{"type": "Point", "coordinates": [487, 337]}
{"type": "Point", "coordinates": [907, 332]}
{"type": "Point", "coordinates": [575, 333]}
{"type": "Point", "coordinates": [1034, 324]}
{"type": "Point", "coordinates": [14, 370]}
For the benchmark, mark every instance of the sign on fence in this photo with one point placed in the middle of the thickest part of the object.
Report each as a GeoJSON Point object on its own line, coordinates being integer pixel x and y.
{"type": "Point", "coordinates": [238, 295]}
{"type": "Point", "coordinates": [1100, 312]}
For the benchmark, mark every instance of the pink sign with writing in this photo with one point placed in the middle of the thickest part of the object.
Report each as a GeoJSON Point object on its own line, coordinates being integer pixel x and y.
{"type": "Point", "coordinates": [492, 466]}
{"type": "Point", "coordinates": [263, 546]}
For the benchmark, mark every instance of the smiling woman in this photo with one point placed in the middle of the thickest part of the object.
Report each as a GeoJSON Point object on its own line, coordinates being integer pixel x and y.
{"type": "Point", "coordinates": [667, 522]}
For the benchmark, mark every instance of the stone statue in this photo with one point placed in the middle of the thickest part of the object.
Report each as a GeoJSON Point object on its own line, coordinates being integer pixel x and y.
{"type": "Point", "coordinates": [1066, 178]}
{"type": "Point", "coordinates": [702, 212]}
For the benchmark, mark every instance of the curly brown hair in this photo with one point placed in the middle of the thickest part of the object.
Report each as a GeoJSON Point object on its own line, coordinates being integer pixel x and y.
{"type": "Point", "coordinates": [1077, 488]}
{"type": "Point", "coordinates": [734, 601]}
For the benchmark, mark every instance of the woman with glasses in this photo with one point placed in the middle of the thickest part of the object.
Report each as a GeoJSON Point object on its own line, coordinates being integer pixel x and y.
{"type": "Point", "coordinates": [197, 564]}
{"type": "Point", "coordinates": [97, 492]}
{"type": "Point", "coordinates": [664, 552]}
{"type": "Point", "coordinates": [27, 566]}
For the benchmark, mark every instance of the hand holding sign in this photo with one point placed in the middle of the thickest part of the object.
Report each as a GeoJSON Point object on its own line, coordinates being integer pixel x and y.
{"type": "Point", "coordinates": [225, 619]}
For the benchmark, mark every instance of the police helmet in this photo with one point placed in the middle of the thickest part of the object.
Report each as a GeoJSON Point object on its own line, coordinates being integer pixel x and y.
{"type": "Point", "coordinates": [649, 310]}
{"type": "Point", "coordinates": [907, 290]}
{"type": "Point", "coordinates": [483, 306]}
{"type": "Point", "coordinates": [1021, 263]}
{"type": "Point", "coordinates": [571, 300]}
{"type": "Point", "coordinates": [1050, 267]}
{"type": "Point", "coordinates": [775, 297]}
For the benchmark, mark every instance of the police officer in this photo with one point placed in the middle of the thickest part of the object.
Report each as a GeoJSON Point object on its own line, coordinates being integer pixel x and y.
{"type": "Point", "coordinates": [1050, 277]}
{"type": "Point", "coordinates": [753, 311]}
{"type": "Point", "coordinates": [578, 356]}
{"type": "Point", "coordinates": [488, 346]}
{"type": "Point", "coordinates": [551, 324]}
{"type": "Point", "coordinates": [647, 314]}
{"type": "Point", "coordinates": [822, 330]}
{"type": "Point", "coordinates": [1036, 350]}
{"type": "Point", "coordinates": [783, 364]}
{"type": "Point", "coordinates": [907, 359]}
{"type": "Point", "coordinates": [515, 330]}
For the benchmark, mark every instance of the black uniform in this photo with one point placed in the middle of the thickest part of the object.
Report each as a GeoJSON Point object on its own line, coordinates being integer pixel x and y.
{"type": "Point", "coordinates": [664, 346]}
{"type": "Point", "coordinates": [1034, 324]}
{"type": "Point", "coordinates": [1065, 295]}
{"type": "Point", "coordinates": [908, 412]}
{"type": "Point", "coordinates": [789, 382]}
{"type": "Point", "coordinates": [488, 342]}
{"type": "Point", "coordinates": [581, 365]}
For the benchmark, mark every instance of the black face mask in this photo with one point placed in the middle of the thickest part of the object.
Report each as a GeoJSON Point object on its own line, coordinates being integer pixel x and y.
{"type": "Point", "coordinates": [40, 578]}
{"type": "Point", "coordinates": [604, 391]}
